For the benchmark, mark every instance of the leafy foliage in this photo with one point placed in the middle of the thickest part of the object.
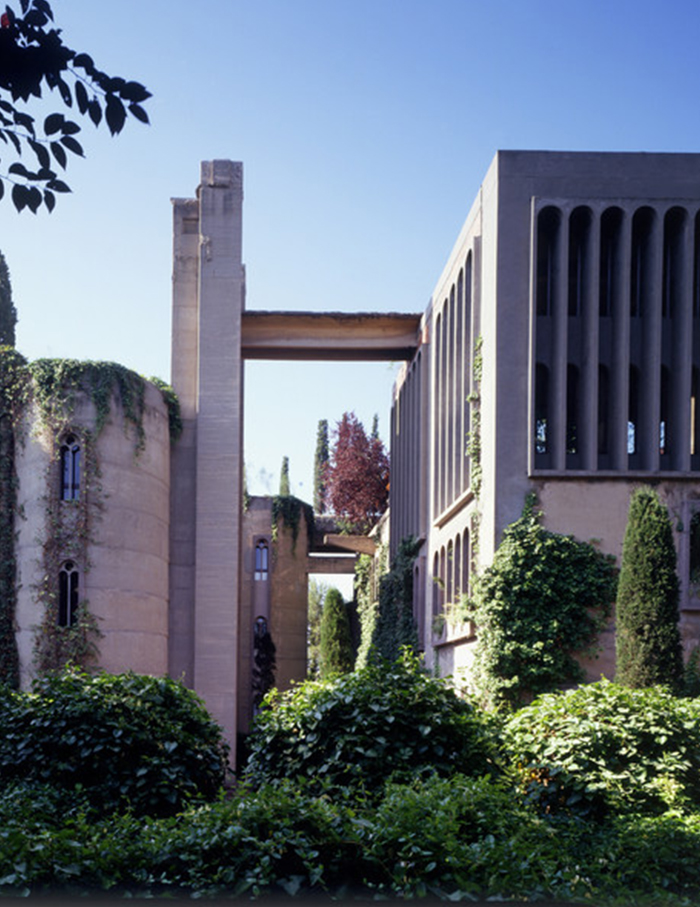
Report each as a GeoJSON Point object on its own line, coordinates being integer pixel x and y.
{"type": "Point", "coordinates": [648, 643]}
{"type": "Point", "coordinates": [360, 729]}
{"type": "Point", "coordinates": [289, 510]}
{"type": "Point", "coordinates": [542, 601]}
{"type": "Point", "coordinates": [13, 394]}
{"type": "Point", "coordinates": [320, 466]}
{"type": "Point", "coordinates": [33, 58]}
{"type": "Point", "coordinates": [8, 312]}
{"type": "Point", "coordinates": [389, 626]}
{"type": "Point", "coordinates": [336, 652]}
{"type": "Point", "coordinates": [264, 664]}
{"type": "Point", "coordinates": [357, 478]}
{"type": "Point", "coordinates": [604, 746]}
{"type": "Point", "coordinates": [120, 740]}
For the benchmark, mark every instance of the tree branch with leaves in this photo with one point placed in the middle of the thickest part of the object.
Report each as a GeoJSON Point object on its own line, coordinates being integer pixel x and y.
{"type": "Point", "coordinates": [34, 59]}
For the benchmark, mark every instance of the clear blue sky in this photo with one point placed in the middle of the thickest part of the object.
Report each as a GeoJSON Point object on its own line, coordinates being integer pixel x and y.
{"type": "Point", "coordinates": [365, 128]}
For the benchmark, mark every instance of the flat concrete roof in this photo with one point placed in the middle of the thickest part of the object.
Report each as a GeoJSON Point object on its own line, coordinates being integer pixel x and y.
{"type": "Point", "coordinates": [334, 336]}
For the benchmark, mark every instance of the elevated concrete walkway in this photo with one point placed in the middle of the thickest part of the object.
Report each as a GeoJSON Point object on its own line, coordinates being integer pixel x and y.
{"type": "Point", "coordinates": [331, 336]}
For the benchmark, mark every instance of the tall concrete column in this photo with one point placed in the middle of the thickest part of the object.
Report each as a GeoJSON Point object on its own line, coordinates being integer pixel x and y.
{"type": "Point", "coordinates": [219, 439]}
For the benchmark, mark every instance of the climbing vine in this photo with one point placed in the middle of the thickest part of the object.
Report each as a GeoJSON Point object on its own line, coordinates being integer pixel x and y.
{"type": "Point", "coordinates": [543, 600]}
{"type": "Point", "coordinates": [54, 386]}
{"type": "Point", "coordinates": [13, 396]}
{"type": "Point", "coordinates": [290, 510]}
{"type": "Point", "coordinates": [474, 443]}
{"type": "Point", "coordinates": [387, 621]}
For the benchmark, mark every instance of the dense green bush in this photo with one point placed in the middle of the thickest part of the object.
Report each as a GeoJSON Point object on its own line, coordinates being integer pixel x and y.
{"type": "Point", "coordinates": [384, 720]}
{"type": "Point", "coordinates": [457, 838]}
{"type": "Point", "coordinates": [120, 741]}
{"type": "Point", "coordinates": [606, 747]}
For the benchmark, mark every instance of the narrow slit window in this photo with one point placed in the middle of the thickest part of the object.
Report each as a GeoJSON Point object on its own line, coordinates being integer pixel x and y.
{"type": "Point", "coordinates": [262, 561]}
{"type": "Point", "coordinates": [70, 469]}
{"type": "Point", "coordinates": [68, 589]}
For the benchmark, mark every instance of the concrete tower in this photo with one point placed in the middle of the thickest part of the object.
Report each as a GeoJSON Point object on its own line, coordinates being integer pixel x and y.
{"type": "Point", "coordinates": [207, 375]}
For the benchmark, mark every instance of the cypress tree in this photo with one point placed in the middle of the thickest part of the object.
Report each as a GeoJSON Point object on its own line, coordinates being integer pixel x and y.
{"type": "Point", "coordinates": [648, 643]}
{"type": "Point", "coordinates": [284, 478]}
{"type": "Point", "coordinates": [8, 313]}
{"type": "Point", "coordinates": [320, 466]}
{"type": "Point", "coordinates": [264, 662]}
{"type": "Point", "coordinates": [336, 655]}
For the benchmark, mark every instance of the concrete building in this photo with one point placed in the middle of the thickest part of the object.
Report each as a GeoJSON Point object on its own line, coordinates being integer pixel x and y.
{"type": "Point", "coordinates": [562, 341]}
{"type": "Point", "coordinates": [559, 353]}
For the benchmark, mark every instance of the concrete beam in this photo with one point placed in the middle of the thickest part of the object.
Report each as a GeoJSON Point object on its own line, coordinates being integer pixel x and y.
{"type": "Point", "coordinates": [338, 564]}
{"type": "Point", "coordinates": [332, 336]}
{"type": "Point", "coordinates": [360, 544]}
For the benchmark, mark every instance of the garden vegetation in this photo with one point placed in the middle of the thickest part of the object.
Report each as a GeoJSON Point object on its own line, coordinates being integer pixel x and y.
{"type": "Point", "coordinates": [382, 784]}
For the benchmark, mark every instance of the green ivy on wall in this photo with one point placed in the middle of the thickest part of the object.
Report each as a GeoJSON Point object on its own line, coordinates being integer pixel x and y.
{"type": "Point", "coordinates": [542, 602]}
{"type": "Point", "coordinates": [13, 397]}
{"type": "Point", "coordinates": [54, 386]}
{"type": "Point", "coordinates": [290, 510]}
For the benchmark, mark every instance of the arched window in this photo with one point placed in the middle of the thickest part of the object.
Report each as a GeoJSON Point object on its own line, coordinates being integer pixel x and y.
{"type": "Point", "coordinates": [547, 250]}
{"type": "Point", "coordinates": [664, 414]}
{"type": "Point", "coordinates": [610, 230]}
{"type": "Point", "coordinates": [572, 409]}
{"type": "Point", "coordinates": [579, 234]}
{"type": "Point", "coordinates": [458, 580]}
{"type": "Point", "coordinates": [633, 414]}
{"type": "Point", "coordinates": [640, 276]}
{"type": "Point", "coordinates": [70, 469]}
{"type": "Point", "coordinates": [67, 594]}
{"type": "Point", "coordinates": [603, 410]}
{"type": "Point", "coordinates": [262, 561]}
{"type": "Point", "coordinates": [541, 408]}
{"type": "Point", "coordinates": [436, 585]}
{"type": "Point", "coordinates": [449, 574]}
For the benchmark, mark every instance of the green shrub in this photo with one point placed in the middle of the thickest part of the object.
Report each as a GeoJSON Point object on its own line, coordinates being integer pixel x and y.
{"type": "Point", "coordinates": [605, 746]}
{"type": "Point", "coordinates": [122, 740]}
{"type": "Point", "coordinates": [384, 720]}
{"type": "Point", "coordinates": [541, 603]}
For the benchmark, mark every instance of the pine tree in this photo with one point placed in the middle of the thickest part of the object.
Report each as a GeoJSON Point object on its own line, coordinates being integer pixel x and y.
{"type": "Point", "coordinates": [8, 313]}
{"type": "Point", "coordinates": [648, 643]}
{"type": "Point", "coordinates": [284, 478]}
{"type": "Point", "coordinates": [321, 466]}
{"type": "Point", "coordinates": [336, 654]}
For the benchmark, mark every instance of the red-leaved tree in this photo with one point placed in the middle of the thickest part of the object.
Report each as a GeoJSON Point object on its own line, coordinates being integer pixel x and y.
{"type": "Point", "coordinates": [357, 484]}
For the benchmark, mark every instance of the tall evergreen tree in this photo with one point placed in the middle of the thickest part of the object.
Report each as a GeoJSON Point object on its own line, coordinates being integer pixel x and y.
{"type": "Point", "coordinates": [648, 643]}
{"type": "Point", "coordinates": [336, 654]}
{"type": "Point", "coordinates": [284, 478]}
{"type": "Point", "coordinates": [317, 594]}
{"type": "Point", "coordinates": [321, 466]}
{"type": "Point", "coordinates": [264, 662]}
{"type": "Point", "coordinates": [8, 313]}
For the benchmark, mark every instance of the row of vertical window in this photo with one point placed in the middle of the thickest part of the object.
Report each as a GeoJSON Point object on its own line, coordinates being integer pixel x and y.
{"type": "Point", "coordinates": [671, 233]}
{"type": "Point", "coordinates": [406, 435]}
{"type": "Point", "coordinates": [451, 571]}
{"type": "Point", "coordinates": [617, 339]}
{"type": "Point", "coordinates": [452, 374]}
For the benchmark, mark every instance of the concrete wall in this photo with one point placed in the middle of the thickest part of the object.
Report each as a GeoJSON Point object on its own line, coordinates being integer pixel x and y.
{"type": "Point", "coordinates": [124, 574]}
